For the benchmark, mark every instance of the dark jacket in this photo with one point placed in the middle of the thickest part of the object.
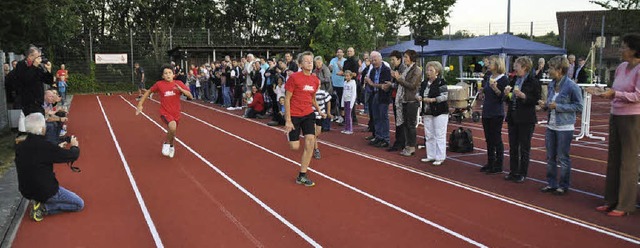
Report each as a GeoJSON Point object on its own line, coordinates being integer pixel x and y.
{"type": "Point", "coordinates": [351, 64]}
{"type": "Point", "coordinates": [580, 76]}
{"type": "Point", "coordinates": [29, 80]}
{"type": "Point", "coordinates": [493, 105]}
{"type": "Point", "coordinates": [35, 157]}
{"type": "Point", "coordinates": [436, 89]}
{"type": "Point", "coordinates": [384, 97]}
{"type": "Point", "coordinates": [524, 110]}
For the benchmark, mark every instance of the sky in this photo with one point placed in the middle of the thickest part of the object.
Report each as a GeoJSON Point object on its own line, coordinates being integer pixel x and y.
{"type": "Point", "coordinates": [480, 17]}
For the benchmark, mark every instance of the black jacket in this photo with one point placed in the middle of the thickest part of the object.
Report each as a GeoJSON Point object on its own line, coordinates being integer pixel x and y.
{"type": "Point", "coordinates": [351, 64]}
{"type": "Point", "coordinates": [35, 157]}
{"type": "Point", "coordinates": [384, 97]}
{"type": "Point", "coordinates": [524, 110]}
{"type": "Point", "coordinates": [435, 89]}
{"type": "Point", "coordinates": [28, 82]}
{"type": "Point", "coordinates": [581, 76]}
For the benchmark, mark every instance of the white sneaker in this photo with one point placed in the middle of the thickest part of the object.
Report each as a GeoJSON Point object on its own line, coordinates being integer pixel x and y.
{"type": "Point", "coordinates": [231, 108]}
{"type": "Point", "coordinates": [165, 149]}
{"type": "Point", "coordinates": [438, 162]}
{"type": "Point", "coordinates": [427, 160]}
{"type": "Point", "coordinates": [172, 151]}
{"type": "Point", "coordinates": [348, 132]}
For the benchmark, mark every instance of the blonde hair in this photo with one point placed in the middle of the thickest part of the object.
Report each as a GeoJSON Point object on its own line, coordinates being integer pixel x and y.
{"type": "Point", "coordinates": [499, 63]}
{"type": "Point", "coordinates": [436, 65]}
{"type": "Point", "coordinates": [524, 62]}
{"type": "Point", "coordinates": [559, 63]}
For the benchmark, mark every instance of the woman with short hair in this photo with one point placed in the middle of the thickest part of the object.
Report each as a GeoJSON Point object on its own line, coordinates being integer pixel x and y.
{"type": "Point", "coordinates": [522, 96]}
{"type": "Point", "coordinates": [563, 103]}
{"type": "Point", "coordinates": [435, 113]}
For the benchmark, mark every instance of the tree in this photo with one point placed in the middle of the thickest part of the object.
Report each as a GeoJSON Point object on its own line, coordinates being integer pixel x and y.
{"type": "Point", "coordinates": [427, 18]}
{"type": "Point", "coordinates": [618, 4]}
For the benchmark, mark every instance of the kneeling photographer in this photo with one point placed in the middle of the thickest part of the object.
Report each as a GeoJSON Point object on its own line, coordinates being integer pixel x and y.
{"type": "Point", "coordinates": [35, 157]}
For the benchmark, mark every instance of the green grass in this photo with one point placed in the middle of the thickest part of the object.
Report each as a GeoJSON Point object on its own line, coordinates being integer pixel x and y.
{"type": "Point", "coordinates": [7, 152]}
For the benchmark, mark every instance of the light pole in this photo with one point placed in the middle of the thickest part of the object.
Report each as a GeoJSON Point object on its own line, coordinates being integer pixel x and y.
{"type": "Point", "coordinates": [508, 16]}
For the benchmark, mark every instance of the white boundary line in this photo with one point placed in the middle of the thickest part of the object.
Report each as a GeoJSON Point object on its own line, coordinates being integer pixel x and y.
{"type": "Point", "coordinates": [456, 184]}
{"type": "Point", "coordinates": [134, 185]}
{"type": "Point", "coordinates": [237, 185]}
{"type": "Point", "coordinates": [397, 208]}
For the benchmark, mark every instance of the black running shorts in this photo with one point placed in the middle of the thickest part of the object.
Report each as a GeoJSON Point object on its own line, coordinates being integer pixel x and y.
{"type": "Point", "coordinates": [304, 123]}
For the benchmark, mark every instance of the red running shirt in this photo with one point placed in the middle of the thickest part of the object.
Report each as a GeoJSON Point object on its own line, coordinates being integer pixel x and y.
{"type": "Point", "coordinates": [169, 96]}
{"type": "Point", "coordinates": [304, 90]}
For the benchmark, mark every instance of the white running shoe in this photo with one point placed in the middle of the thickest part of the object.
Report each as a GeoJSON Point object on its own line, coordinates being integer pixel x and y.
{"type": "Point", "coordinates": [231, 108]}
{"type": "Point", "coordinates": [165, 149]}
{"type": "Point", "coordinates": [172, 151]}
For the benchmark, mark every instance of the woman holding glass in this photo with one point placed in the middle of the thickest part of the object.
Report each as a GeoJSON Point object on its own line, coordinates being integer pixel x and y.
{"type": "Point", "coordinates": [563, 102]}
{"type": "Point", "coordinates": [493, 113]}
{"type": "Point", "coordinates": [435, 113]}
{"type": "Point", "coordinates": [521, 117]}
{"type": "Point", "coordinates": [624, 135]}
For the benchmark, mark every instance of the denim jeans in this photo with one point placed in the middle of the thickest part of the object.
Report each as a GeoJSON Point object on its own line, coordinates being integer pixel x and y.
{"type": "Point", "coordinates": [558, 144]}
{"type": "Point", "coordinates": [63, 201]}
{"type": "Point", "coordinates": [381, 118]}
{"type": "Point", "coordinates": [226, 95]}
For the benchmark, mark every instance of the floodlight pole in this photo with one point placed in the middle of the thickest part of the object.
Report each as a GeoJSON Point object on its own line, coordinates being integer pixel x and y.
{"type": "Point", "coordinates": [509, 17]}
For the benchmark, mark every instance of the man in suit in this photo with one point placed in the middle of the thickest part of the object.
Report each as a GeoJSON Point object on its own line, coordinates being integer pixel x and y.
{"type": "Point", "coordinates": [580, 76]}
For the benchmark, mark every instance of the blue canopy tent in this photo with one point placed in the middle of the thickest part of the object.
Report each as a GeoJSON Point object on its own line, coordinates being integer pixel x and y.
{"type": "Point", "coordinates": [503, 44]}
{"type": "Point", "coordinates": [484, 45]}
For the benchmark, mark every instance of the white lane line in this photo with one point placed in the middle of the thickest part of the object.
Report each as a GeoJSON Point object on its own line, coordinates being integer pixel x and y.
{"type": "Point", "coordinates": [236, 184]}
{"type": "Point", "coordinates": [457, 184]}
{"type": "Point", "coordinates": [134, 185]}
{"type": "Point", "coordinates": [399, 209]}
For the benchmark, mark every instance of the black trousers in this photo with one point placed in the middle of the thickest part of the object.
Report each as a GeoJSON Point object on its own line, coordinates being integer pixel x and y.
{"type": "Point", "coordinates": [410, 115]}
{"type": "Point", "coordinates": [493, 134]}
{"type": "Point", "coordinates": [520, 147]}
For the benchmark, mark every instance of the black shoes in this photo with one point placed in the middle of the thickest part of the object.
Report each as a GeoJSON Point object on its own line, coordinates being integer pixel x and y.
{"type": "Point", "coordinates": [370, 137]}
{"type": "Point", "coordinates": [494, 170]}
{"type": "Point", "coordinates": [485, 168]}
{"type": "Point", "coordinates": [393, 149]}
{"type": "Point", "coordinates": [515, 178]}
{"type": "Point", "coordinates": [382, 144]}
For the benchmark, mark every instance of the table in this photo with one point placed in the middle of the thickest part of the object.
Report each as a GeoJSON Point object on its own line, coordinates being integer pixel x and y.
{"type": "Point", "coordinates": [586, 113]}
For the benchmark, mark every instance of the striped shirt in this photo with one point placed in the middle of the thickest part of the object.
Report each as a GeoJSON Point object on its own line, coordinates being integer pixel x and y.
{"type": "Point", "coordinates": [322, 97]}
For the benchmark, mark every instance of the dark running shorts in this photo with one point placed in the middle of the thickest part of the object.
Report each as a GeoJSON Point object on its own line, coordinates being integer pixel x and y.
{"type": "Point", "coordinates": [319, 122]}
{"type": "Point", "coordinates": [306, 123]}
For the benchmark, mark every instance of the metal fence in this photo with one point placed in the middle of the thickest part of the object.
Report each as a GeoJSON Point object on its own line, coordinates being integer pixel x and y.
{"type": "Point", "coordinates": [148, 48]}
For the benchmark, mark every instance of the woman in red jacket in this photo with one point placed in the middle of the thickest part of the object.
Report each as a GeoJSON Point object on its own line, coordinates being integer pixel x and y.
{"type": "Point", "coordinates": [256, 107]}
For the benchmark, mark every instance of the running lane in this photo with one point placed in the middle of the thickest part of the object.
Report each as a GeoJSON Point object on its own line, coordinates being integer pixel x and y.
{"type": "Point", "coordinates": [112, 216]}
{"type": "Point", "coordinates": [477, 216]}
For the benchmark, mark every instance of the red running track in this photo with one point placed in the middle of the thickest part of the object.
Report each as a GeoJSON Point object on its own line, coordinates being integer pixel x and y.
{"type": "Point", "coordinates": [364, 197]}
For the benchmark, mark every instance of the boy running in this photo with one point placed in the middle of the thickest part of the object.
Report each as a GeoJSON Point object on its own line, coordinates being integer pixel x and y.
{"type": "Point", "coordinates": [324, 101]}
{"type": "Point", "coordinates": [299, 105]}
{"type": "Point", "coordinates": [170, 91]}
